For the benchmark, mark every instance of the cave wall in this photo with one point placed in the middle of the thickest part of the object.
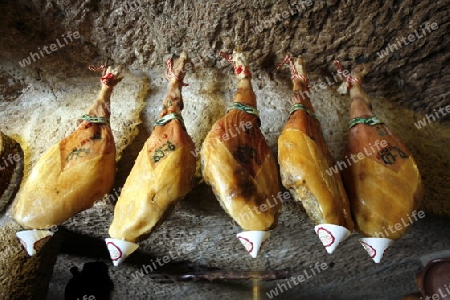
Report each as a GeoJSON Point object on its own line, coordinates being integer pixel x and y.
{"type": "Point", "coordinates": [140, 33]}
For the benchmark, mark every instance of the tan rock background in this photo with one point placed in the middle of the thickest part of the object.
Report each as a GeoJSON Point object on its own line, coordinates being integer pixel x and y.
{"type": "Point", "coordinates": [40, 103]}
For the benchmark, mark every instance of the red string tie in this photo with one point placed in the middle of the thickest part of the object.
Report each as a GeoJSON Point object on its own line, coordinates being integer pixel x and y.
{"type": "Point", "coordinates": [347, 78]}
{"type": "Point", "coordinates": [170, 74]}
{"type": "Point", "coordinates": [107, 78]}
{"type": "Point", "coordinates": [294, 73]}
{"type": "Point", "coordinates": [237, 70]}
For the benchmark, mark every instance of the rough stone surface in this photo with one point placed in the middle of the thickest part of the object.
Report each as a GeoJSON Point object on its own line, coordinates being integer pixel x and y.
{"type": "Point", "coordinates": [21, 276]}
{"type": "Point", "coordinates": [140, 33]}
{"type": "Point", "coordinates": [40, 102]}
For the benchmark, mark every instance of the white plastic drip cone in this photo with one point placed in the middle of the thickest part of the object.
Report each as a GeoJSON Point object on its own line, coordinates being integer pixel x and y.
{"type": "Point", "coordinates": [331, 235]}
{"type": "Point", "coordinates": [119, 250]}
{"type": "Point", "coordinates": [33, 240]}
{"type": "Point", "coordinates": [252, 240]}
{"type": "Point", "coordinates": [376, 247]}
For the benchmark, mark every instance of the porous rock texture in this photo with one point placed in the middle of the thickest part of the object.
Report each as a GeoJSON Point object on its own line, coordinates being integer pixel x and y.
{"type": "Point", "coordinates": [40, 103]}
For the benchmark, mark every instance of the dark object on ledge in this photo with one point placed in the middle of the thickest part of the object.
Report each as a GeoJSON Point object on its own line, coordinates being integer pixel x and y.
{"type": "Point", "coordinates": [435, 279]}
{"type": "Point", "coordinates": [93, 282]}
{"type": "Point", "coordinates": [11, 169]}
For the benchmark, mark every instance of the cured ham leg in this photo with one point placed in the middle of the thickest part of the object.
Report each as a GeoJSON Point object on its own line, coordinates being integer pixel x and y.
{"type": "Point", "coordinates": [72, 174]}
{"type": "Point", "coordinates": [163, 173]}
{"type": "Point", "coordinates": [238, 164]}
{"type": "Point", "coordinates": [382, 179]}
{"type": "Point", "coordinates": [305, 161]}
{"type": "Point", "coordinates": [11, 169]}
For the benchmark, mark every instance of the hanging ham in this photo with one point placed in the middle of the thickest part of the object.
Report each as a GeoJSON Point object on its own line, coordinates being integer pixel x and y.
{"type": "Point", "coordinates": [72, 174]}
{"type": "Point", "coordinates": [163, 173]}
{"type": "Point", "coordinates": [239, 166]}
{"type": "Point", "coordinates": [381, 176]}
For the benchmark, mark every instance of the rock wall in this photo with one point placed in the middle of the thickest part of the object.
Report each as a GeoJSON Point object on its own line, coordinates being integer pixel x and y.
{"type": "Point", "coordinates": [408, 53]}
